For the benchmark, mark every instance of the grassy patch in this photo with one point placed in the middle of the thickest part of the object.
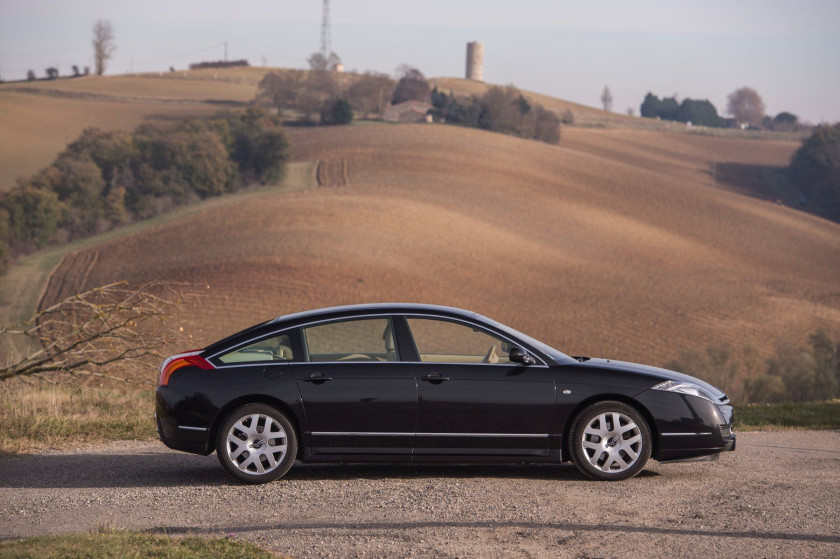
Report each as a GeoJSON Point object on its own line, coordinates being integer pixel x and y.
{"type": "Point", "coordinates": [128, 545]}
{"type": "Point", "coordinates": [43, 415]}
{"type": "Point", "coordinates": [808, 415]}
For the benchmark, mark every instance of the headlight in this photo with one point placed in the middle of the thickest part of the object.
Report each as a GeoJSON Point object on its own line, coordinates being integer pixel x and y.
{"type": "Point", "coordinates": [685, 388]}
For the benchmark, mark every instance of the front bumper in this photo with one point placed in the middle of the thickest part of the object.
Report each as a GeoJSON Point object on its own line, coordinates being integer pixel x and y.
{"type": "Point", "coordinates": [688, 427]}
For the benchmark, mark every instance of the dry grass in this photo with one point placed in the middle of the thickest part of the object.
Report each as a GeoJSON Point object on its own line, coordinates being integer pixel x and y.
{"type": "Point", "coordinates": [630, 253]}
{"type": "Point", "coordinates": [36, 415]}
{"type": "Point", "coordinates": [154, 87]}
{"type": "Point", "coordinates": [126, 544]}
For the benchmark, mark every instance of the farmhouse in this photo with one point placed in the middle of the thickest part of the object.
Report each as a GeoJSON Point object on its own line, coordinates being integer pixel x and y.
{"type": "Point", "coordinates": [408, 111]}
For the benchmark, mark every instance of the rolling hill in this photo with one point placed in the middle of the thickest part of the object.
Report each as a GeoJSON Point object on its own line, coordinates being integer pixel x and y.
{"type": "Point", "coordinates": [614, 243]}
{"type": "Point", "coordinates": [628, 241]}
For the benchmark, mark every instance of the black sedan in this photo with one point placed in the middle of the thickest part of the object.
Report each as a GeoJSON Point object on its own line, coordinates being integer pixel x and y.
{"type": "Point", "coordinates": [420, 383]}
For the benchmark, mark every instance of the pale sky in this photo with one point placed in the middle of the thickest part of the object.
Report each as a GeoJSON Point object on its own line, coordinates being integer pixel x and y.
{"type": "Point", "coordinates": [788, 51]}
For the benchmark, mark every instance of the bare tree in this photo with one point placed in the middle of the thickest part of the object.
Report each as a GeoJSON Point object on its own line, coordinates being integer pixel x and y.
{"type": "Point", "coordinates": [371, 92]}
{"type": "Point", "coordinates": [317, 62]}
{"type": "Point", "coordinates": [86, 333]}
{"type": "Point", "coordinates": [103, 44]}
{"type": "Point", "coordinates": [412, 86]}
{"type": "Point", "coordinates": [746, 105]}
{"type": "Point", "coordinates": [607, 99]}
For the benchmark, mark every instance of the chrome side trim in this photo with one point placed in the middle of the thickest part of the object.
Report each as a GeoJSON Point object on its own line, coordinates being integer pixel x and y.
{"type": "Point", "coordinates": [684, 434]}
{"type": "Point", "coordinates": [359, 434]}
{"type": "Point", "coordinates": [386, 434]}
{"type": "Point", "coordinates": [186, 428]}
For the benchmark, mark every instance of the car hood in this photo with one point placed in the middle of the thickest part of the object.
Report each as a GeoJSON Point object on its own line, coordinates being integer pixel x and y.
{"type": "Point", "coordinates": [656, 373]}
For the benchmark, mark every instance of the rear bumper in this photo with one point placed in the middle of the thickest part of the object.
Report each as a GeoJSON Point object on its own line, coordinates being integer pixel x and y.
{"type": "Point", "coordinates": [187, 438]}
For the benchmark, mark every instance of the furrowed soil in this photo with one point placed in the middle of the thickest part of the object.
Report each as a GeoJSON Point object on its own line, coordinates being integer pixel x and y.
{"type": "Point", "coordinates": [775, 496]}
{"type": "Point", "coordinates": [616, 243]}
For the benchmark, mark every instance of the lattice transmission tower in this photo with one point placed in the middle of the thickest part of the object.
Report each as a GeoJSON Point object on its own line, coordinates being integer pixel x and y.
{"type": "Point", "coordinates": [326, 41]}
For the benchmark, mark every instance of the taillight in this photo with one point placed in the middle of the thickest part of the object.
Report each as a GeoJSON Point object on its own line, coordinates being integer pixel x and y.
{"type": "Point", "coordinates": [175, 362]}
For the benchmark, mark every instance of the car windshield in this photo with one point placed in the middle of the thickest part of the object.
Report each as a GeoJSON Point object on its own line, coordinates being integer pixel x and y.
{"type": "Point", "coordinates": [549, 351]}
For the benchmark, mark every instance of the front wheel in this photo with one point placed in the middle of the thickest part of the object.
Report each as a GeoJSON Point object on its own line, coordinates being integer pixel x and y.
{"type": "Point", "coordinates": [256, 443]}
{"type": "Point", "coordinates": [610, 441]}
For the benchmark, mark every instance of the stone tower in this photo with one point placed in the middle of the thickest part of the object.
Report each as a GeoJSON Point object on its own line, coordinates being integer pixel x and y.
{"type": "Point", "coordinates": [475, 61]}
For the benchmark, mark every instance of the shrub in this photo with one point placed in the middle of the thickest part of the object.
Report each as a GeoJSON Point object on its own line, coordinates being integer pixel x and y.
{"type": "Point", "coordinates": [815, 168]}
{"type": "Point", "coordinates": [337, 111]}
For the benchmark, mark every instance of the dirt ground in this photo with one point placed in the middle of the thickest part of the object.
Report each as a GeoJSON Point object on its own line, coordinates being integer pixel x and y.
{"type": "Point", "coordinates": [776, 496]}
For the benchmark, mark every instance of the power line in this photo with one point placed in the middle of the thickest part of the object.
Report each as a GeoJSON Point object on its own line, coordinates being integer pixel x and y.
{"type": "Point", "coordinates": [180, 55]}
{"type": "Point", "coordinates": [44, 53]}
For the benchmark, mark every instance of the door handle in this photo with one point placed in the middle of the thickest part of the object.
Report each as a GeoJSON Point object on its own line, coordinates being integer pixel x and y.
{"type": "Point", "coordinates": [434, 377]}
{"type": "Point", "coordinates": [317, 377]}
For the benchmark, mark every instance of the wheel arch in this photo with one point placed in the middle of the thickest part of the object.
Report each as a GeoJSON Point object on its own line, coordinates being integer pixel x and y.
{"type": "Point", "coordinates": [635, 404]}
{"type": "Point", "coordinates": [258, 399]}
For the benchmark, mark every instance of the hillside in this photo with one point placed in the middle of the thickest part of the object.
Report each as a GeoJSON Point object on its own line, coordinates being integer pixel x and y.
{"type": "Point", "coordinates": [583, 114]}
{"type": "Point", "coordinates": [40, 118]}
{"type": "Point", "coordinates": [614, 243]}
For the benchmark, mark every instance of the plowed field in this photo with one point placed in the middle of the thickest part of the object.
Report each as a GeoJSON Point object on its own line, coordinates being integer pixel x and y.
{"type": "Point", "coordinates": [615, 243]}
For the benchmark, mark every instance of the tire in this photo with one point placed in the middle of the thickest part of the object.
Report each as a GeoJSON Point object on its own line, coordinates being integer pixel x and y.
{"type": "Point", "coordinates": [610, 441]}
{"type": "Point", "coordinates": [244, 450]}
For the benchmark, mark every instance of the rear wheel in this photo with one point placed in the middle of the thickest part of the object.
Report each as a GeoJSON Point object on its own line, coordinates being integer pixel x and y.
{"type": "Point", "coordinates": [256, 443]}
{"type": "Point", "coordinates": [610, 441]}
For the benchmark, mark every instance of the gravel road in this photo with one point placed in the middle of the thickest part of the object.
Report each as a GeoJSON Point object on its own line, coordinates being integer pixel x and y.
{"type": "Point", "coordinates": [776, 496]}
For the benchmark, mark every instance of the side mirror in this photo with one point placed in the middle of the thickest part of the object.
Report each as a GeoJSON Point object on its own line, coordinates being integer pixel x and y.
{"type": "Point", "coordinates": [519, 355]}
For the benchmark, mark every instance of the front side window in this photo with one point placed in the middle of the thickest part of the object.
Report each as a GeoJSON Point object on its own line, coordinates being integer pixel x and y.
{"type": "Point", "coordinates": [370, 339]}
{"type": "Point", "coordinates": [441, 341]}
{"type": "Point", "coordinates": [276, 348]}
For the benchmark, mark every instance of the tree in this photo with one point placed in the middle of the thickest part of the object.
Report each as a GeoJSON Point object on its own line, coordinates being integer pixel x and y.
{"type": "Point", "coordinates": [412, 86]}
{"type": "Point", "coordinates": [746, 105]}
{"type": "Point", "coordinates": [34, 214]}
{"type": "Point", "coordinates": [317, 62]}
{"type": "Point", "coordinates": [815, 169]}
{"type": "Point", "coordinates": [30, 75]}
{"type": "Point", "coordinates": [282, 90]}
{"type": "Point", "coordinates": [701, 113]}
{"type": "Point", "coordinates": [337, 111]}
{"type": "Point", "coordinates": [651, 106]}
{"type": "Point", "coordinates": [103, 45]}
{"type": "Point", "coordinates": [546, 125]}
{"type": "Point", "coordinates": [784, 121]}
{"type": "Point", "coordinates": [607, 99]}
{"type": "Point", "coordinates": [86, 333]}
{"type": "Point", "coordinates": [76, 72]}
{"type": "Point", "coordinates": [668, 108]}
{"type": "Point", "coordinates": [370, 92]}
{"type": "Point", "coordinates": [52, 73]}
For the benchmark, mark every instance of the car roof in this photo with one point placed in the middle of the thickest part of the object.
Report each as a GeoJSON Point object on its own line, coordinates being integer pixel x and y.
{"type": "Point", "coordinates": [329, 313]}
{"type": "Point", "coordinates": [373, 308]}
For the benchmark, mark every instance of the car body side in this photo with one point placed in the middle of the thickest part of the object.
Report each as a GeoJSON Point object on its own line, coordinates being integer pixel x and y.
{"type": "Point", "coordinates": [683, 426]}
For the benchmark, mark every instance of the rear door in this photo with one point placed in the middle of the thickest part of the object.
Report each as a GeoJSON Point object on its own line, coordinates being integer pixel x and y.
{"type": "Point", "coordinates": [472, 399]}
{"type": "Point", "coordinates": [358, 396]}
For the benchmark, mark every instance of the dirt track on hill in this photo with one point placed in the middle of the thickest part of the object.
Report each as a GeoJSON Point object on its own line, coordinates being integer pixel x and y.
{"type": "Point", "coordinates": [776, 496]}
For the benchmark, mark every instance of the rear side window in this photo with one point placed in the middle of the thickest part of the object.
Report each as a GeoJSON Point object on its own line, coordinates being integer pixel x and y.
{"type": "Point", "coordinates": [276, 348]}
{"type": "Point", "coordinates": [370, 339]}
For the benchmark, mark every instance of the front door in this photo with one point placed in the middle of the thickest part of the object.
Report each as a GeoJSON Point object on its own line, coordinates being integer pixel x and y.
{"type": "Point", "coordinates": [358, 397]}
{"type": "Point", "coordinates": [472, 399]}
